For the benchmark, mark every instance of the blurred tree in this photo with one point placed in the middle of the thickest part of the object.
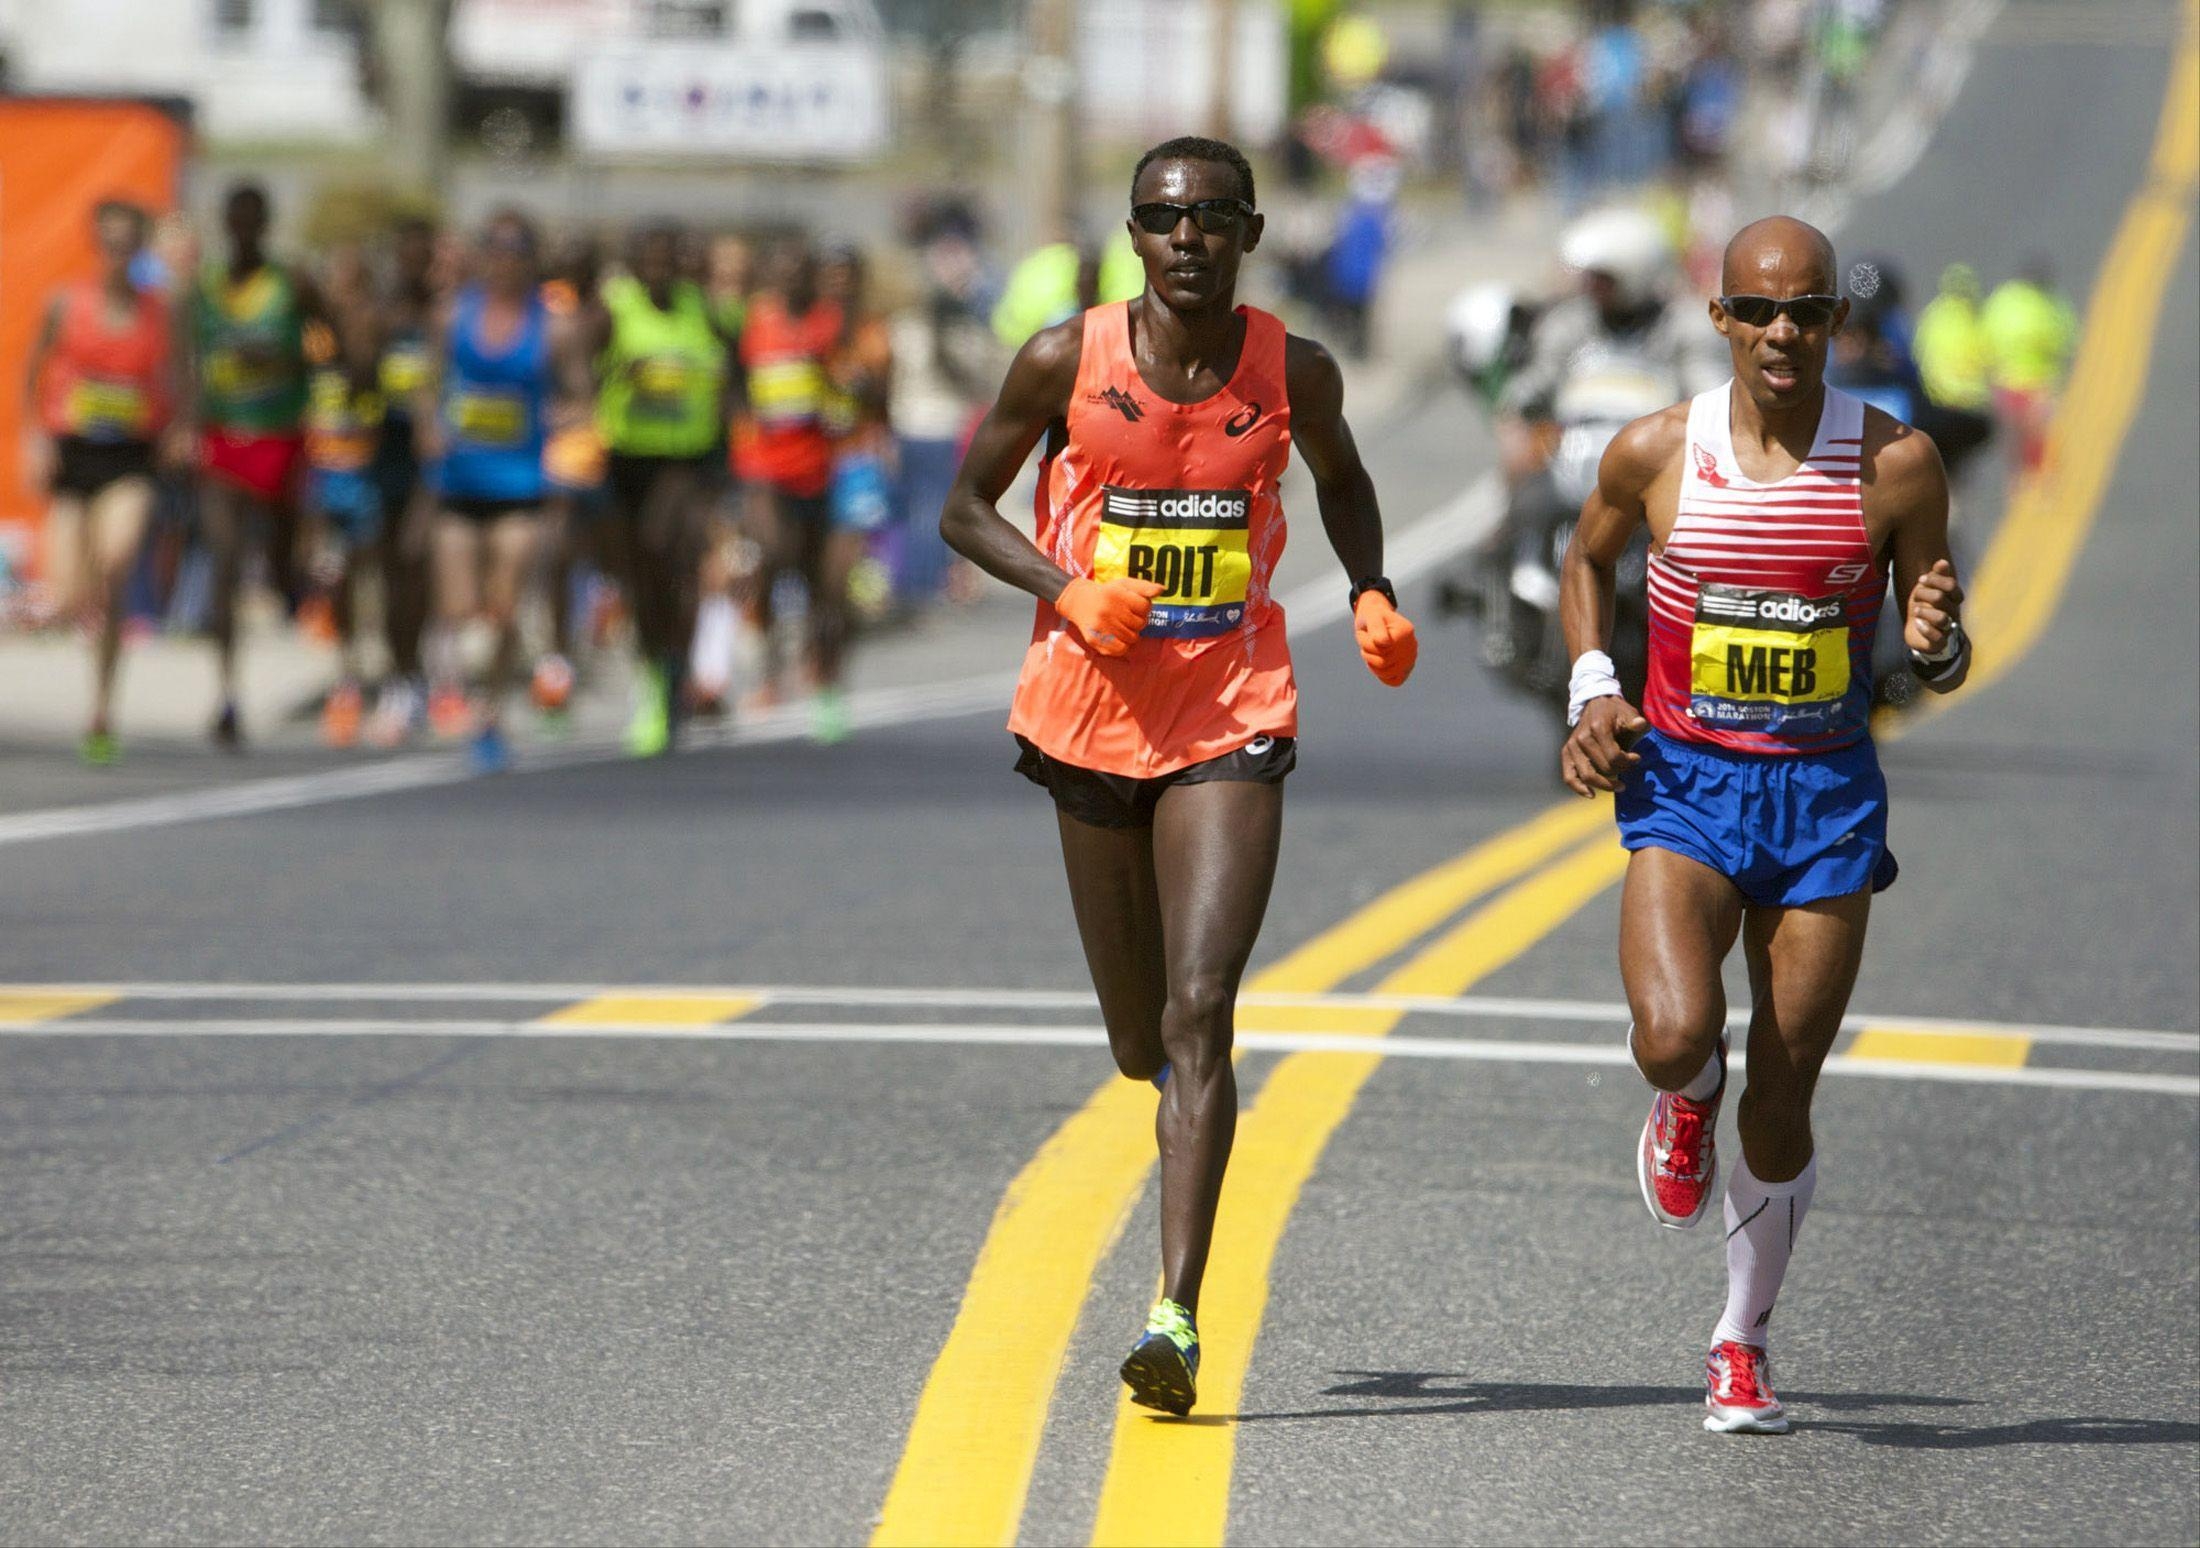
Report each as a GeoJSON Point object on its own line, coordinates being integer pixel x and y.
{"type": "Point", "coordinates": [412, 69]}
{"type": "Point", "coordinates": [941, 28]}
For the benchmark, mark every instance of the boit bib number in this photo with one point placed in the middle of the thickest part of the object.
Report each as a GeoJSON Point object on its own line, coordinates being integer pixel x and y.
{"type": "Point", "coordinates": [1191, 543]}
{"type": "Point", "coordinates": [1768, 660]}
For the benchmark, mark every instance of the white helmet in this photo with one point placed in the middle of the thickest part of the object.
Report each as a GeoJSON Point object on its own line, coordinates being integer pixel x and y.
{"type": "Point", "coordinates": [1478, 323]}
{"type": "Point", "coordinates": [1624, 243]}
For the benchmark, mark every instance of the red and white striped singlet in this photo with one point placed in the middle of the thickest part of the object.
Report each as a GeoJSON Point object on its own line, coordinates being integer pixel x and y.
{"type": "Point", "coordinates": [1764, 597]}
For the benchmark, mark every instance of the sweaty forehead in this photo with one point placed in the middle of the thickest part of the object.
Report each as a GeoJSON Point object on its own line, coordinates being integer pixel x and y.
{"type": "Point", "coordinates": [1182, 180]}
{"type": "Point", "coordinates": [1778, 258]}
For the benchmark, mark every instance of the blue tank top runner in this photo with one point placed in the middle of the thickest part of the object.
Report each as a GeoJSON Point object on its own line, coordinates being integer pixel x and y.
{"type": "Point", "coordinates": [495, 407]}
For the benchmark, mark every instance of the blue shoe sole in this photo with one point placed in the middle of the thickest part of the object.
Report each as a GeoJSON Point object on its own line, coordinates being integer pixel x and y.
{"type": "Point", "coordinates": [1159, 1378]}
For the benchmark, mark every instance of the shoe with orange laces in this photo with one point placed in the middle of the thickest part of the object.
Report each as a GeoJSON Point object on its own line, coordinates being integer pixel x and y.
{"type": "Point", "coordinates": [1678, 1159]}
{"type": "Point", "coordinates": [1738, 1396]}
{"type": "Point", "coordinates": [552, 685]}
{"type": "Point", "coordinates": [341, 713]}
{"type": "Point", "coordinates": [450, 716]}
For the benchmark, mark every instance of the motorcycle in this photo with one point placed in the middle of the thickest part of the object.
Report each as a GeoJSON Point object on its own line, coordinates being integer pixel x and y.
{"type": "Point", "coordinates": [1510, 585]}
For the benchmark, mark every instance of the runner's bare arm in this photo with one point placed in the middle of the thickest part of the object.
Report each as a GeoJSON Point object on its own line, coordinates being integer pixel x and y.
{"type": "Point", "coordinates": [1907, 499]}
{"type": "Point", "coordinates": [427, 413]}
{"type": "Point", "coordinates": [183, 347]}
{"type": "Point", "coordinates": [49, 329]}
{"type": "Point", "coordinates": [1034, 397]}
{"type": "Point", "coordinates": [1346, 495]}
{"type": "Point", "coordinates": [1595, 756]}
{"type": "Point", "coordinates": [313, 306]}
{"type": "Point", "coordinates": [1341, 483]}
{"type": "Point", "coordinates": [37, 446]}
{"type": "Point", "coordinates": [572, 354]}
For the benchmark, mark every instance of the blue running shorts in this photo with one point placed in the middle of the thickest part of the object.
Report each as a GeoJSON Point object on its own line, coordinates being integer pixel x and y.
{"type": "Point", "coordinates": [1786, 830]}
{"type": "Point", "coordinates": [352, 502]}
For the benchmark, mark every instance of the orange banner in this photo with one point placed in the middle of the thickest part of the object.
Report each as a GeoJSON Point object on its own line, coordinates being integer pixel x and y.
{"type": "Point", "coordinates": [59, 159]}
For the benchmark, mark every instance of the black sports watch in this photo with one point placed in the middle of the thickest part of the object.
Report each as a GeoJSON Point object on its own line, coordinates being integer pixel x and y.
{"type": "Point", "coordinates": [1379, 583]}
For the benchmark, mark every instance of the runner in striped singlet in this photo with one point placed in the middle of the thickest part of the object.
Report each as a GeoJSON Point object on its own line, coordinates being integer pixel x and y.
{"type": "Point", "coordinates": [1748, 788]}
{"type": "Point", "coordinates": [1157, 705]}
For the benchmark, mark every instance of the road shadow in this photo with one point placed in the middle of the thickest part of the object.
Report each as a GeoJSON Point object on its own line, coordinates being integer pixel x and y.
{"type": "Point", "coordinates": [1421, 1394]}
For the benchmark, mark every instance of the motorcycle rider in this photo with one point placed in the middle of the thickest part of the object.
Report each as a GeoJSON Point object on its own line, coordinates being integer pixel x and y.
{"type": "Point", "coordinates": [1623, 345]}
{"type": "Point", "coordinates": [1626, 303]}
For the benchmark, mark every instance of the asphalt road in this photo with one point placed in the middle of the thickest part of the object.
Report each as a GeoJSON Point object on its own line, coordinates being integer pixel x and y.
{"type": "Point", "coordinates": [458, 1284]}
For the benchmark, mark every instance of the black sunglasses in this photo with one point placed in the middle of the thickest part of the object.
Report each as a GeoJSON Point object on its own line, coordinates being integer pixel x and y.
{"type": "Point", "coordinates": [1211, 215]}
{"type": "Point", "coordinates": [1758, 311]}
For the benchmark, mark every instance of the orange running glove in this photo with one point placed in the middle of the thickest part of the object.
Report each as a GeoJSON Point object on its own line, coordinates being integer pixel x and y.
{"type": "Point", "coordinates": [1386, 639]}
{"type": "Point", "coordinates": [1108, 614]}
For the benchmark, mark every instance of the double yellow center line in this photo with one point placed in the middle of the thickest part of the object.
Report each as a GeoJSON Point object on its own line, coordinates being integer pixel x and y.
{"type": "Point", "coordinates": [979, 1421]}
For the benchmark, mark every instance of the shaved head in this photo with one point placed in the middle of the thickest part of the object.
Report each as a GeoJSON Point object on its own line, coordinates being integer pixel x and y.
{"type": "Point", "coordinates": [1778, 256]}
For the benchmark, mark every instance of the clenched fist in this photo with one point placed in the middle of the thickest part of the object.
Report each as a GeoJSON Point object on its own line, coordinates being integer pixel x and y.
{"type": "Point", "coordinates": [1935, 602]}
{"type": "Point", "coordinates": [1109, 614]}
{"type": "Point", "coordinates": [1385, 638]}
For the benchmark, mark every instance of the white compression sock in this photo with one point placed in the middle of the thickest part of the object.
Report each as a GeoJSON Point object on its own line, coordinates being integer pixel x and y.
{"type": "Point", "coordinates": [1699, 1089]}
{"type": "Point", "coordinates": [710, 657]}
{"type": "Point", "coordinates": [1762, 1221]}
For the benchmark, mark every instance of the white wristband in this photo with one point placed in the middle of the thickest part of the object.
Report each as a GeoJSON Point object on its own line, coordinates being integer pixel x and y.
{"type": "Point", "coordinates": [1594, 678]}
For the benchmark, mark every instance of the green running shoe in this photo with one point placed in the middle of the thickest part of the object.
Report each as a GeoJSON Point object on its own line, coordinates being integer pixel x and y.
{"type": "Point", "coordinates": [649, 733]}
{"type": "Point", "coordinates": [1162, 1369]}
{"type": "Point", "coordinates": [98, 749]}
{"type": "Point", "coordinates": [829, 717]}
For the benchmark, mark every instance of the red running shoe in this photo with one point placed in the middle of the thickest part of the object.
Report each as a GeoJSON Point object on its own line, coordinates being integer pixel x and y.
{"type": "Point", "coordinates": [1678, 1159]}
{"type": "Point", "coordinates": [1738, 1392]}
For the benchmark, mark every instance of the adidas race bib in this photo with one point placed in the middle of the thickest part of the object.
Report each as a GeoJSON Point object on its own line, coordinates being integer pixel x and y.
{"type": "Point", "coordinates": [489, 418]}
{"type": "Point", "coordinates": [1190, 542]}
{"type": "Point", "coordinates": [1767, 660]}
{"type": "Point", "coordinates": [101, 410]}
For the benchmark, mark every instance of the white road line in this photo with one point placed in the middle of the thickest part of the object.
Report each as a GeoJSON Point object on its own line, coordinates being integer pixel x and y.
{"type": "Point", "coordinates": [1312, 605]}
{"type": "Point", "coordinates": [1485, 1007]}
{"type": "Point", "coordinates": [1604, 1055]}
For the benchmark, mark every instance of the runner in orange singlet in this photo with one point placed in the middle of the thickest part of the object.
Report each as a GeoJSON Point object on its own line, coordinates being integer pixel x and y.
{"type": "Point", "coordinates": [1157, 703]}
{"type": "Point", "coordinates": [101, 388]}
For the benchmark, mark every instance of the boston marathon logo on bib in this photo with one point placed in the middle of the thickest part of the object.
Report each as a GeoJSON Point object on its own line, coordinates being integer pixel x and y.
{"type": "Point", "coordinates": [1768, 660]}
{"type": "Point", "coordinates": [1190, 542]}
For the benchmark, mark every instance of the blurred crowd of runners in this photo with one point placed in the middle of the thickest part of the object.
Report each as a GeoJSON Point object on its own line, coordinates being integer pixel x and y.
{"type": "Point", "coordinates": [482, 462]}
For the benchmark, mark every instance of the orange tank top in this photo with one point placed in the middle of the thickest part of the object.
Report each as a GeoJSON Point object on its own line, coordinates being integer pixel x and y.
{"type": "Point", "coordinates": [782, 439]}
{"type": "Point", "coordinates": [103, 382]}
{"type": "Point", "coordinates": [1185, 495]}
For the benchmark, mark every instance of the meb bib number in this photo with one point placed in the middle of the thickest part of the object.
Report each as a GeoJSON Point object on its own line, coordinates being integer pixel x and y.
{"type": "Point", "coordinates": [1768, 660]}
{"type": "Point", "coordinates": [1189, 542]}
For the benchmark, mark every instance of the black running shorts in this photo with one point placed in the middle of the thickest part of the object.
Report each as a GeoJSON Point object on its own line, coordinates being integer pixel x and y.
{"type": "Point", "coordinates": [1120, 801]}
{"type": "Point", "coordinates": [84, 468]}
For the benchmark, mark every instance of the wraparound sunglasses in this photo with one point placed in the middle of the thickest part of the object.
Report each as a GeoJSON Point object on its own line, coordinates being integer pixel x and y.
{"type": "Point", "coordinates": [1210, 215]}
{"type": "Point", "coordinates": [1758, 311]}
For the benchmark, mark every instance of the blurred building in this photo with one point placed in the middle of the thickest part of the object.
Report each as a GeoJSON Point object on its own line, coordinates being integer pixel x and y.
{"type": "Point", "coordinates": [726, 77]}
{"type": "Point", "coordinates": [251, 69]}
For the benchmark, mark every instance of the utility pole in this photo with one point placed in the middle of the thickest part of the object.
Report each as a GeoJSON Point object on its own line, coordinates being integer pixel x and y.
{"type": "Point", "coordinates": [1049, 151]}
{"type": "Point", "coordinates": [413, 61]}
{"type": "Point", "coordinates": [1222, 62]}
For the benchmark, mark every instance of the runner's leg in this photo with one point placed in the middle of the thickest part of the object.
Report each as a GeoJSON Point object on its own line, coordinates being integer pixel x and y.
{"type": "Point", "coordinates": [1802, 965]}
{"type": "Point", "coordinates": [666, 564]}
{"type": "Point", "coordinates": [838, 552]}
{"type": "Point", "coordinates": [769, 528]}
{"type": "Point", "coordinates": [405, 579]}
{"type": "Point", "coordinates": [1677, 921]}
{"type": "Point", "coordinates": [66, 556]}
{"type": "Point", "coordinates": [117, 519]}
{"type": "Point", "coordinates": [224, 511]}
{"type": "Point", "coordinates": [1214, 848]}
{"type": "Point", "coordinates": [510, 551]}
{"type": "Point", "coordinates": [458, 569]}
{"type": "Point", "coordinates": [1118, 907]}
